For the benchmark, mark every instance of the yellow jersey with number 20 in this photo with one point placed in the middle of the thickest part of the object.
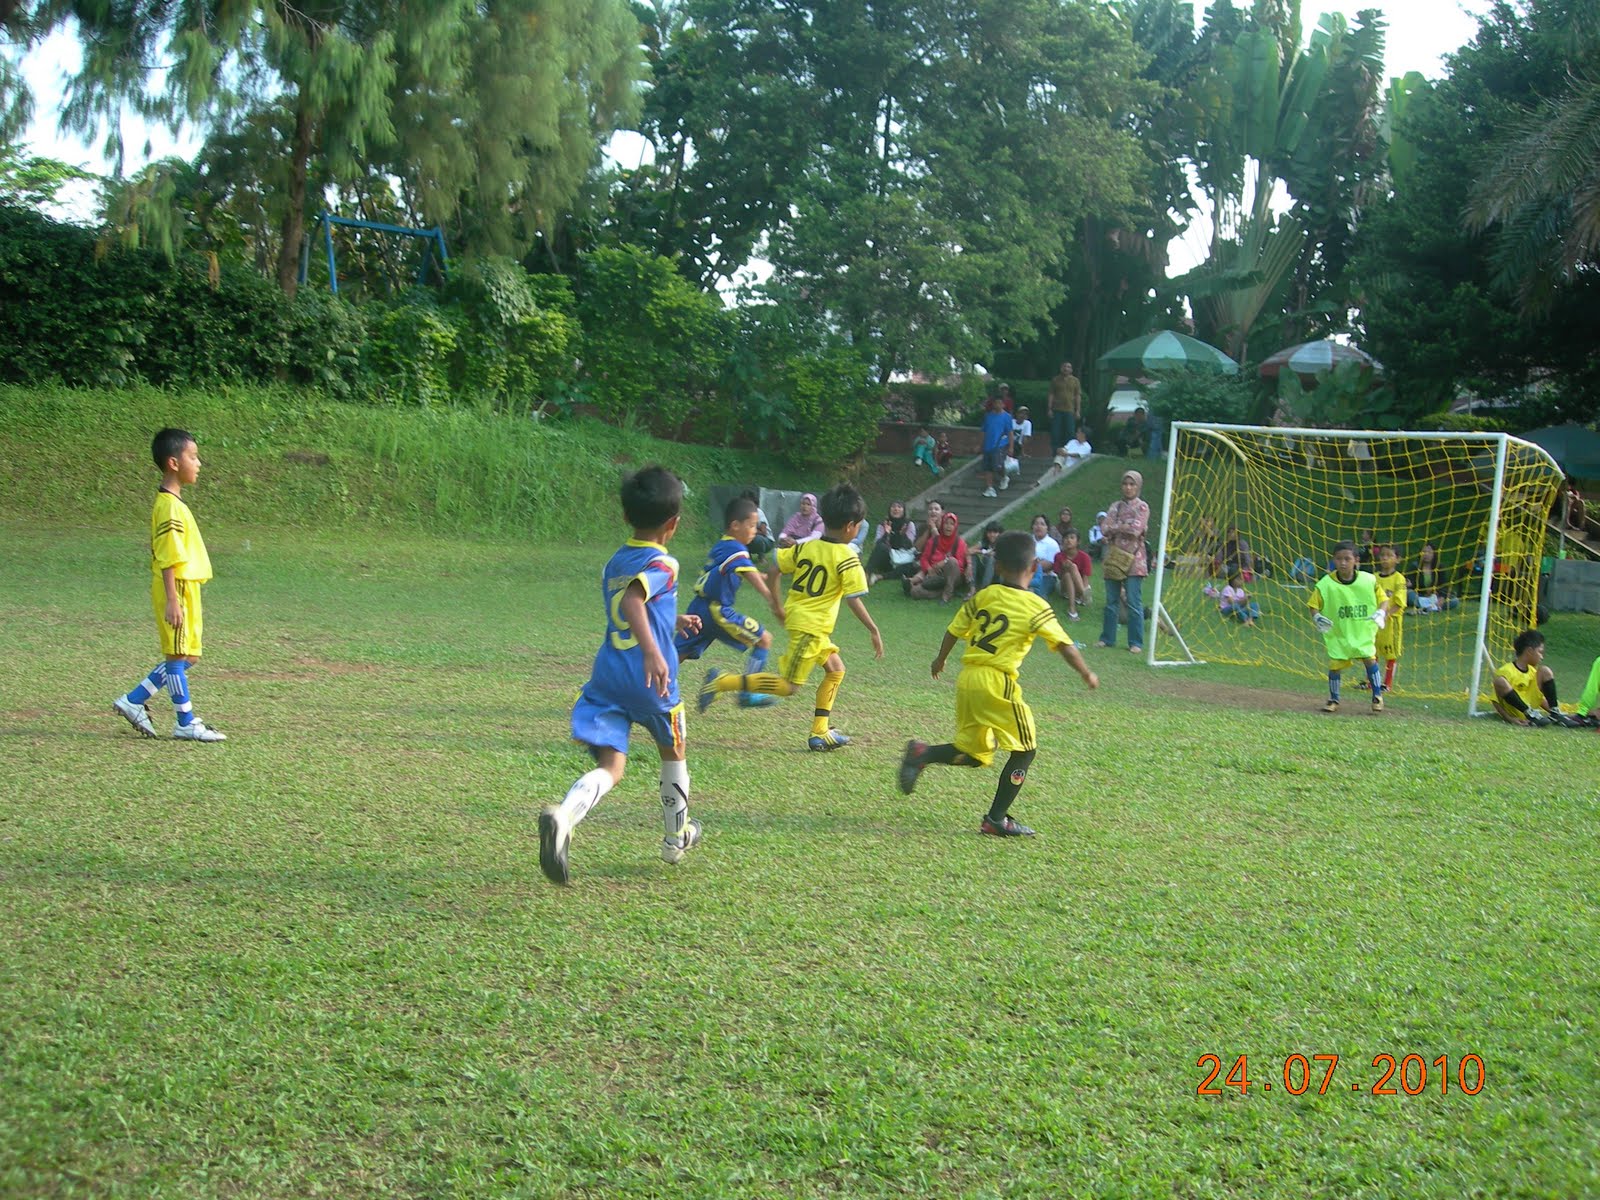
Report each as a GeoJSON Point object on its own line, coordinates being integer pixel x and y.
{"type": "Point", "coordinates": [1000, 624]}
{"type": "Point", "coordinates": [825, 572]}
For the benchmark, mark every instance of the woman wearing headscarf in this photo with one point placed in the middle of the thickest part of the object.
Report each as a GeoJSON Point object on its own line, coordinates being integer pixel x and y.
{"type": "Point", "coordinates": [897, 531]}
{"type": "Point", "coordinates": [943, 566]}
{"type": "Point", "coordinates": [804, 526]}
{"type": "Point", "coordinates": [1127, 519]}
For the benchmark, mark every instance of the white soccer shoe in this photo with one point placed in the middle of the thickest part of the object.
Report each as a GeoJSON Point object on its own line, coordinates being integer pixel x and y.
{"type": "Point", "coordinates": [989, 493]}
{"type": "Point", "coordinates": [136, 715]}
{"type": "Point", "coordinates": [198, 731]}
{"type": "Point", "coordinates": [673, 852]}
{"type": "Point", "coordinates": [555, 839]}
{"type": "Point", "coordinates": [1005, 482]}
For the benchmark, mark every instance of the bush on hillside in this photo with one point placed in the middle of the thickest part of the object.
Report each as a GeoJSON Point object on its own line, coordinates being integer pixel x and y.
{"type": "Point", "coordinates": [511, 350]}
{"type": "Point", "coordinates": [653, 345]}
{"type": "Point", "coordinates": [82, 314]}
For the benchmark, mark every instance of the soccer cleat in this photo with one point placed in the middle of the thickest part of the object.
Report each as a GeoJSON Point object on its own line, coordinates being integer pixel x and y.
{"type": "Point", "coordinates": [1005, 482]}
{"type": "Point", "coordinates": [911, 765]}
{"type": "Point", "coordinates": [198, 731]}
{"type": "Point", "coordinates": [555, 840]}
{"type": "Point", "coordinates": [831, 740]}
{"type": "Point", "coordinates": [1007, 827]}
{"type": "Point", "coordinates": [673, 852]}
{"type": "Point", "coordinates": [990, 493]}
{"type": "Point", "coordinates": [756, 700]}
{"type": "Point", "coordinates": [1377, 704]}
{"type": "Point", "coordinates": [708, 689]}
{"type": "Point", "coordinates": [1539, 719]}
{"type": "Point", "coordinates": [1567, 720]}
{"type": "Point", "coordinates": [1331, 706]}
{"type": "Point", "coordinates": [137, 715]}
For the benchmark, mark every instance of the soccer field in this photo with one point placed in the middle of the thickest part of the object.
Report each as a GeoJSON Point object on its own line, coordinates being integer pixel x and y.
{"type": "Point", "coordinates": [320, 959]}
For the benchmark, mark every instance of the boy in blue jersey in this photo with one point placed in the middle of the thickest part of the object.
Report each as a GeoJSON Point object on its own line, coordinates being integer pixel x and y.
{"type": "Point", "coordinates": [727, 566]}
{"type": "Point", "coordinates": [635, 676]}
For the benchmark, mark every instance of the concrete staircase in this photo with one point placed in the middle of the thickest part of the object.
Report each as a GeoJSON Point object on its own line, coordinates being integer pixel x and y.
{"type": "Point", "coordinates": [961, 491]}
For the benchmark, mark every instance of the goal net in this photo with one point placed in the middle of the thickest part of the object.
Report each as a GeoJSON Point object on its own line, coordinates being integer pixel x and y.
{"type": "Point", "coordinates": [1264, 506]}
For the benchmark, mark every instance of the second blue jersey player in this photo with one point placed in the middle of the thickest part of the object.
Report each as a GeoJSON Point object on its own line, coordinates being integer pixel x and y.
{"type": "Point", "coordinates": [727, 566]}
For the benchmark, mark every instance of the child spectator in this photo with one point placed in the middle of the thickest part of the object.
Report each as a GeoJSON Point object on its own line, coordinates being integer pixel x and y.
{"type": "Point", "coordinates": [727, 566]}
{"type": "Point", "coordinates": [1391, 590]}
{"type": "Point", "coordinates": [894, 553]}
{"type": "Point", "coordinates": [1097, 535]}
{"type": "Point", "coordinates": [942, 453]}
{"type": "Point", "coordinates": [634, 680]}
{"type": "Point", "coordinates": [804, 526]}
{"type": "Point", "coordinates": [999, 625]}
{"type": "Point", "coordinates": [825, 572]}
{"type": "Point", "coordinates": [1234, 601]}
{"type": "Point", "coordinates": [1045, 551]}
{"type": "Point", "coordinates": [1348, 613]}
{"type": "Point", "coordinates": [1024, 429]}
{"type": "Point", "coordinates": [1429, 591]}
{"type": "Point", "coordinates": [1073, 568]}
{"type": "Point", "coordinates": [179, 565]}
{"type": "Point", "coordinates": [980, 560]}
{"type": "Point", "coordinates": [943, 566]}
{"type": "Point", "coordinates": [1366, 559]}
{"type": "Point", "coordinates": [1525, 689]}
{"type": "Point", "coordinates": [924, 451]}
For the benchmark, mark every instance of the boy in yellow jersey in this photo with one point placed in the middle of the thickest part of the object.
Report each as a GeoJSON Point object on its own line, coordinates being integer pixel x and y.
{"type": "Point", "coordinates": [1348, 611]}
{"type": "Point", "coordinates": [1391, 590]}
{"type": "Point", "coordinates": [999, 624]}
{"type": "Point", "coordinates": [1525, 689]}
{"type": "Point", "coordinates": [179, 564]}
{"type": "Point", "coordinates": [826, 571]}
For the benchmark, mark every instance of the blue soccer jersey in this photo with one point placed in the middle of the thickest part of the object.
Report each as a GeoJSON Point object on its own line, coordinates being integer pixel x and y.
{"type": "Point", "coordinates": [720, 621]}
{"type": "Point", "coordinates": [618, 675]}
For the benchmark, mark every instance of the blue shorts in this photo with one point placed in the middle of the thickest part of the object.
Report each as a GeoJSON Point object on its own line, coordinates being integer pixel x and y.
{"type": "Point", "coordinates": [605, 721]}
{"type": "Point", "coordinates": [726, 625]}
{"type": "Point", "coordinates": [995, 460]}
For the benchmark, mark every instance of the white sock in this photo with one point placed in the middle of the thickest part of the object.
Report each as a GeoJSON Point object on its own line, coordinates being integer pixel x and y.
{"type": "Point", "coordinates": [585, 794]}
{"type": "Point", "coordinates": [674, 799]}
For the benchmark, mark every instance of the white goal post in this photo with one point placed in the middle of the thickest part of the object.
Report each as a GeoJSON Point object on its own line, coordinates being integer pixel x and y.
{"type": "Point", "coordinates": [1260, 508]}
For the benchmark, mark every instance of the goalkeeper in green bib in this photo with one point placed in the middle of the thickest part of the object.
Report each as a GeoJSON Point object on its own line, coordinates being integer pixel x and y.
{"type": "Point", "coordinates": [1348, 612]}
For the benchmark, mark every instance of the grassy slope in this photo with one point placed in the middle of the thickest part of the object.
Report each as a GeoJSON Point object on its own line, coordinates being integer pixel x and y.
{"type": "Point", "coordinates": [321, 957]}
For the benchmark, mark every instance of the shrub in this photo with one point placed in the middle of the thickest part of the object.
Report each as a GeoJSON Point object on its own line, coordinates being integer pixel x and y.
{"type": "Point", "coordinates": [835, 403]}
{"type": "Point", "coordinates": [511, 352]}
{"type": "Point", "coordinates": [409, 351]}
{"type": "Point", "coordinates": [325, 335]}
{"type": "Point", "coordinates": [1199, 396]}
{"type": "Point", "coordinates": [653, 345]}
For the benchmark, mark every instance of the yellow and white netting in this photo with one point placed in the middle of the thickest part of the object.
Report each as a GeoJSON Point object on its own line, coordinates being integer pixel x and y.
{"type": "Point", "coordinates": [1291, 494]}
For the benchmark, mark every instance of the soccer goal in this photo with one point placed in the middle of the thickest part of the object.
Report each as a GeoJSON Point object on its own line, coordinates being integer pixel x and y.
{"type": "Point", "coordinates": [1264, 506]}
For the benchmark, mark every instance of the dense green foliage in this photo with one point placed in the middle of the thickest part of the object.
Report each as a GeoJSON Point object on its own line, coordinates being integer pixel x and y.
{"type": "Point", "coordinates": [1433, 305]}
{"type": "Point", "coordinates": [83, 313]}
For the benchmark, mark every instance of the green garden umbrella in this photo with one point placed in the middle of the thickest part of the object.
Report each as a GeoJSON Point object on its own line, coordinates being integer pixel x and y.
{"type": "Point", "coordinates": [1575, 448]}
{"type": "Point", "coordinates": [1166, 351]}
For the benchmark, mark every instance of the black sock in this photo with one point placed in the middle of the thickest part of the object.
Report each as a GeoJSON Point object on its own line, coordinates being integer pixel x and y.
{"type": "Point", "coordinates": [945, 754]}
{"type": "Point", "coordinates": [1011, 781]}
{"type": "Point", "coordinates": [1514, 698]}
{"type": "Point", "coordinates": [1548, 687]}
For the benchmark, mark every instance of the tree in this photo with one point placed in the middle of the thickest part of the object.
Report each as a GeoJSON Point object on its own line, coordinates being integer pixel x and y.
{"type": "Point", "coordinates": [913, 171]}
{"type": "Point", "coordinates": [1542, 186]}
{"type": "Point", "coordinates": [29, 181]}
{"type": "Point", "coordinates": [1431, 305]}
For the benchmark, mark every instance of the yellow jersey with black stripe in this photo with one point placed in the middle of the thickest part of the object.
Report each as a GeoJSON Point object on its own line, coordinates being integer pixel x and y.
{"type": "Point", "coordinates": [999, 625]}
{"type": "Point", "coordinates": [175, 540]}
{"type": "Point", "coordinates": [825, 572]}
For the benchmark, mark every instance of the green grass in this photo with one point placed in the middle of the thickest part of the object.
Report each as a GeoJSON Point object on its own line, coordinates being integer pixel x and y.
{"type": "Point", "coordinates": [320, 959]}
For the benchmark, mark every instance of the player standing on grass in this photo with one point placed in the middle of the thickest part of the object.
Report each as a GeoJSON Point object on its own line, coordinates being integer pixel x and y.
{"type": "Point", "coordinates": [180, 564]}
{"type": "Point", "coordinates": [999, 624]}
{"type": "Point", "coordinates": [635, 676]}
{"type": "Point", "coordinates": [1392, 590]}
{"type": "Point", "coordinates": [1348, 612]}
{"type": "Point", "coordinates": [826, 571]}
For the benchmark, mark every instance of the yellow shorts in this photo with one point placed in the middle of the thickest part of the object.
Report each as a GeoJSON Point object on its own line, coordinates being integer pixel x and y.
{"type": "Point", "coordinates": [991, 713]}
{"type": "Point", "coordinates": [804, 653]}
{"type": "Point", "coordinates": [1390, 639]}
{"type": "Point", "coordinates": [185, 640]}
{"type": "Point", "coordinates": [1344, 664]}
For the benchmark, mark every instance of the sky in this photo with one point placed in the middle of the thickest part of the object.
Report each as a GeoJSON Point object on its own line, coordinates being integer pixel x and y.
{"type": "Point", "coordinates": [1420, 34]}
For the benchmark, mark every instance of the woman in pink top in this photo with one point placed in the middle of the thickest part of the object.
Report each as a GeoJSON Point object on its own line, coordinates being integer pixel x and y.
{"type": "Point", "coordinates": [1127, 520]}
